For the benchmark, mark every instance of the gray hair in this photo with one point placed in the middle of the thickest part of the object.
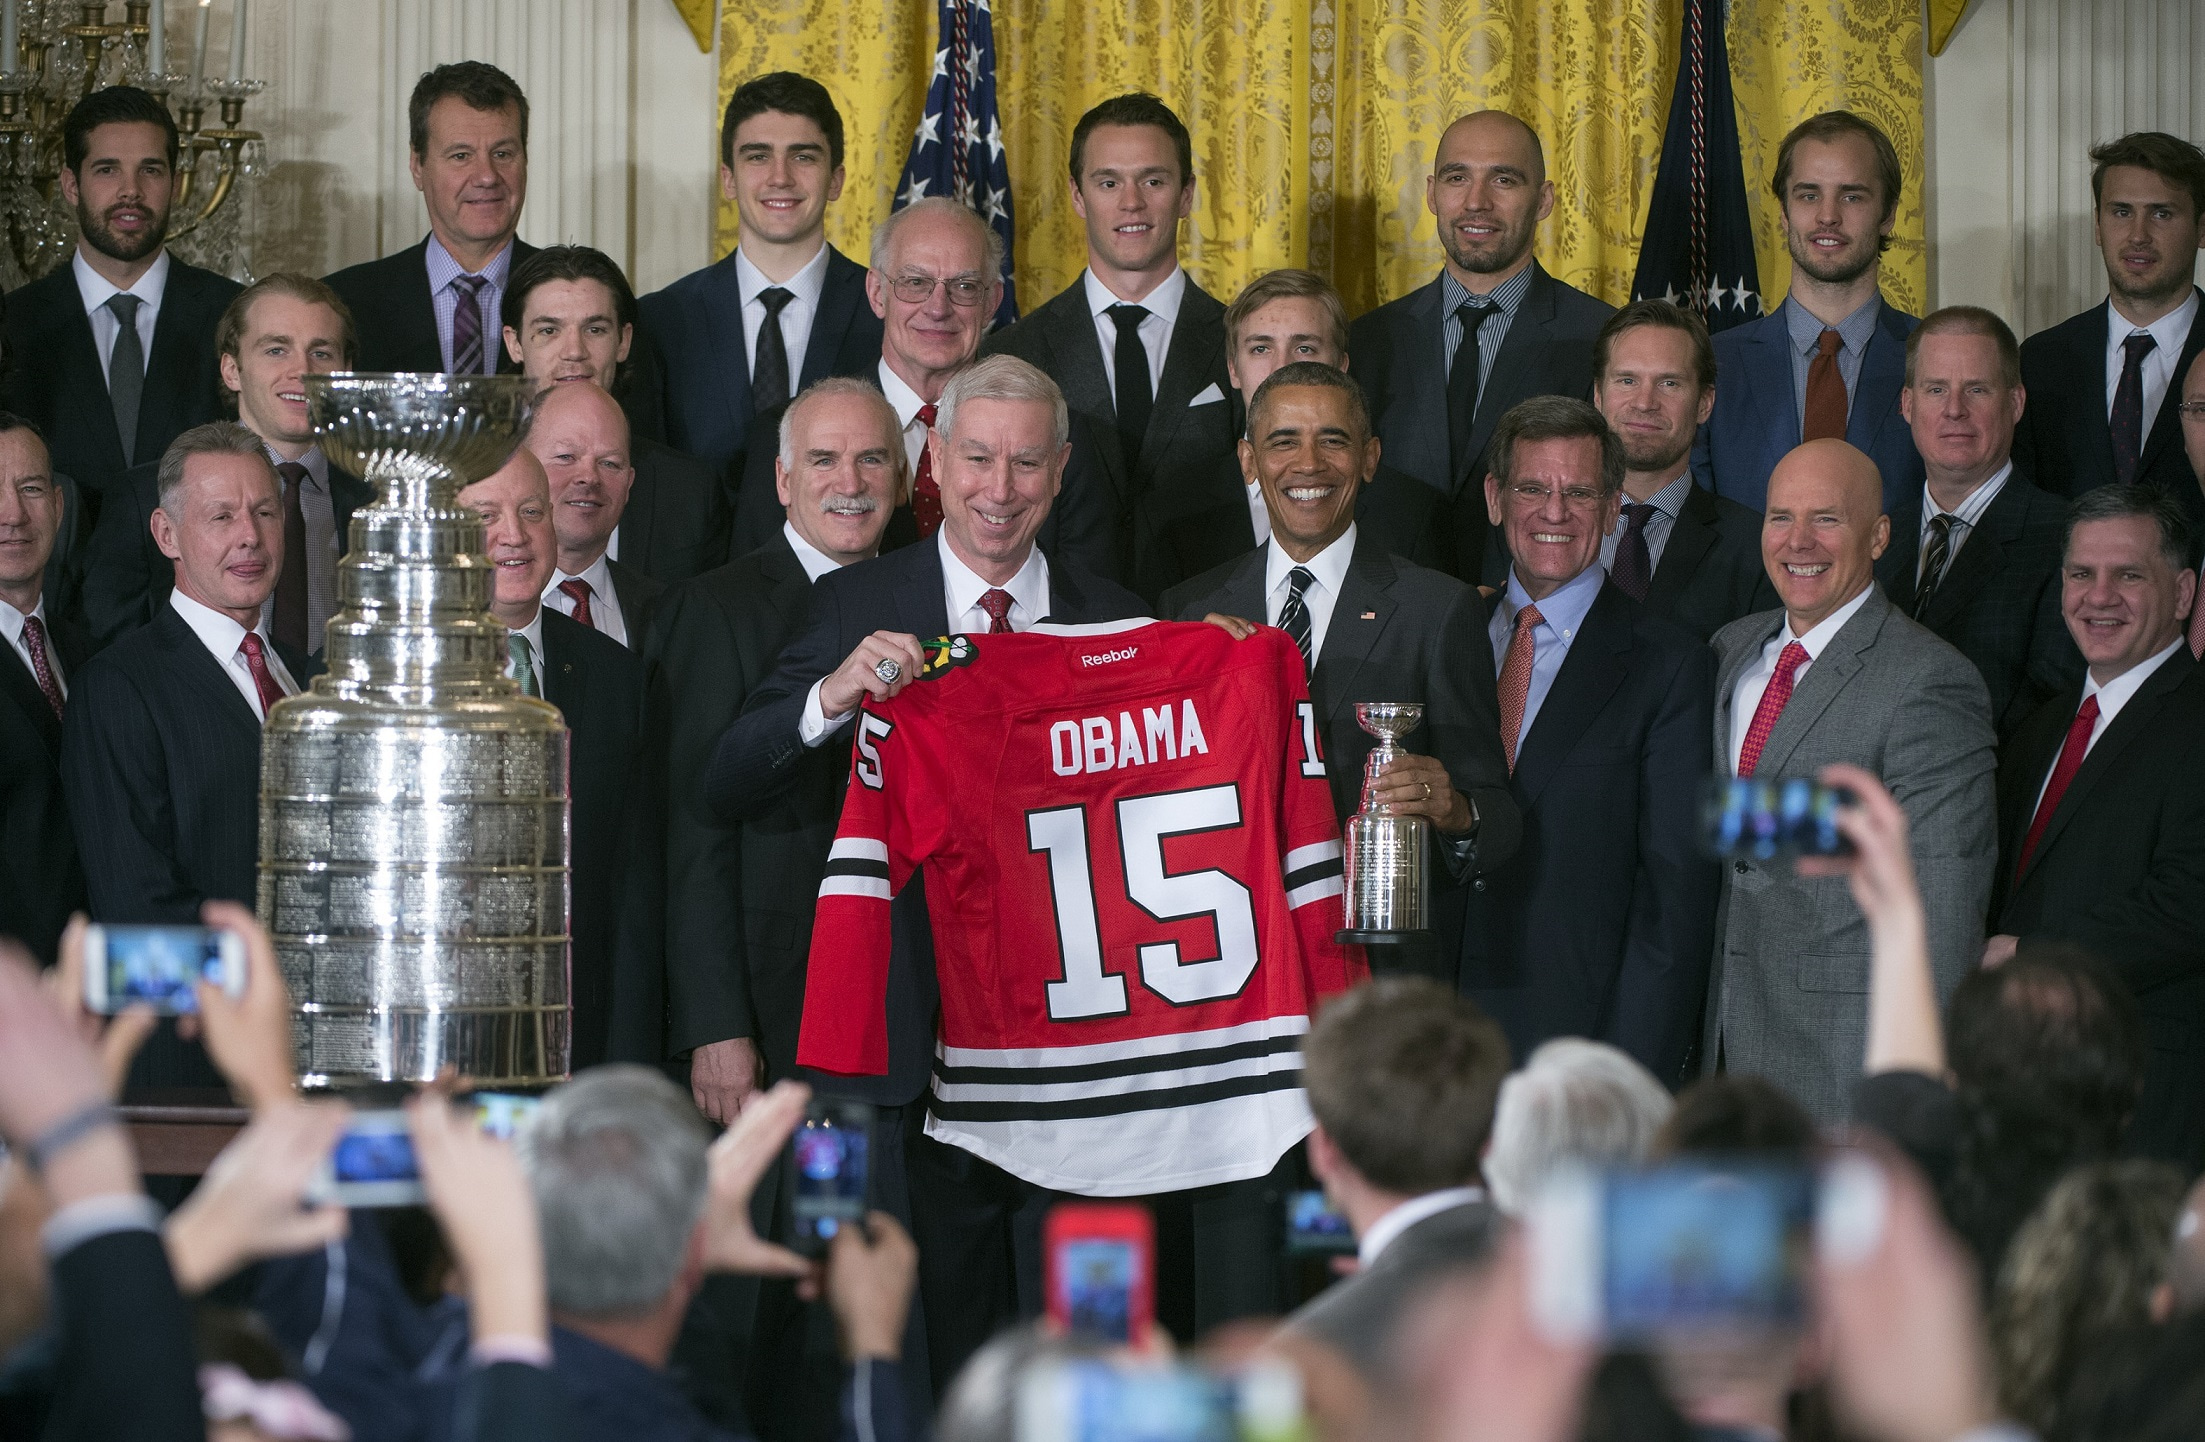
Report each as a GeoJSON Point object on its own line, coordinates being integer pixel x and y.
{"type": "Point", "coordinates": [867, 394]}
{"type": "Point", "coordinates": [1001, 378]}
{"type": "Point", "coordinates": [215, 438]}
{"type": "Point", "coordinates": [617, 1161]}
{"type": "Point", "coordinates": [1574, 1101]}
{"type": "Point", "coordinates": [884, 234]}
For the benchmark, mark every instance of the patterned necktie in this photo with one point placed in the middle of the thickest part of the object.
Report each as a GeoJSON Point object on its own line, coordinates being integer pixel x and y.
{"type": "Point", "coordinates": [769, 373]}
{"type": "Point", "coordinates": [997, 603]}
{"type": "Point", "coordinates": [1464, 382]}
{"type": "Point", "coordinates": [520, 664]}
{"type": "Point", "coordinates": [2071, 759]}
{"type": "Point", "coordinates": [467, 324]}
{"type": "Point", "coordinates": [1294, 615]}
{"type": "Point", "coordinates": [1135, 397]}
{"type": "Point", "coordinates": [578, 591]}
{"type": "Point", "coordinates": [2127, 418]}
{"type": "Point", "coordinates": [1824, 418]}
{"type": "Point", "coordinates": [1773, 700]}
{"type": "Point", "coordinates": [1523, 649]}
{"type": "Point", "coordinates": [926, 495]}
{"type": "Point", "coordinates": [126, 371]}
{"type": "Point", "coordinates": [1935, 557]}
{"type": "Point", "coordinates": [1634, 563]}
{"type": "Point", "coordinates": [288, 624]}
{"type": "Point", "coordinates": [264, 680]}
{"type": "Point", "coordinates": [42, 666]}
{"type": "Point", "coordinates": [2197, 619]}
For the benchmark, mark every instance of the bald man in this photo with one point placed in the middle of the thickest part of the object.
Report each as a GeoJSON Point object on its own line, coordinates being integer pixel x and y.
{"type": "Point", "coordinates": [1444, 363]}
{"type": "Point", "coordinates": [1838, 674]}
{"type": "Point", "coordinates": [580, 435]}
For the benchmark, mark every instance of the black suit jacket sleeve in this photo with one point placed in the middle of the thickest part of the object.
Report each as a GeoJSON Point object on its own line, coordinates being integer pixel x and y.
{"type": "Point", "coordinates": [114, 771]}
{"type": "Point", "coordinates": [126, 1370]}
{"type": "Point", "coordinates": [510, 1402]}
{"type": "Point", "coordinates": [1464, 718]}
{"type": "Point", "coordinates": [761, 755]}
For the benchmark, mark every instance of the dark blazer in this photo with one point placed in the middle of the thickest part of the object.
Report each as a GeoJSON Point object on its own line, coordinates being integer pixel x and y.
{"type": "Point", "coordinates": [127, 579]}
{"type": "Point", "coordinates": [41, 881]}
{"type": "Point", "coordinates": [1603, 923]}
{"type": "Point", "coordinates": [394, 315]}
{"type": "Point", "coordinates": [54, 378]}
{"type": "Point", "coordinates": [675, 525]}
{"type": "Point", "coordinates": [1710, 572]}
{"type": "Point", "coordinates": [693, 331]}
{"type": "Point", "coordinates": [1755, 423]}
{"type": "Point", "coordinates": [638, 593]}
{"type": "Point", "coordinates": [2064, 441]}
{"type": "Point", "coordinates": [1400, 360]}
{"type": "Point", "coordinates": [1999, 603]}
{"type": "Point", "coordinates": [2120, 870]}
{"type": "Point", "coordinates": [1185, 443]}
{"type": "Point", "coordinates": [1360, 1316]}
{"type": "Point", "coordinates": [761, 760]}
{"type": "Point", "coordinates": [125, 1363]}
{"type": "Point", "coordinates": [598, 684]}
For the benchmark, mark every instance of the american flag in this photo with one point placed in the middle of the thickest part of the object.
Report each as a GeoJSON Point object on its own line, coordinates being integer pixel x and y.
{"type": "Point", "coordinates": [1698, 250]}
{"type": "Point", "coordinates": [957, 150]}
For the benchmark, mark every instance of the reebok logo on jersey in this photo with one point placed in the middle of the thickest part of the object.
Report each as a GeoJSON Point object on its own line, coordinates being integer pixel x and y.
{"type": "Point", "coordinates": [1095, 744]}
{"type": "Point", "coordinates": [1105, 658]}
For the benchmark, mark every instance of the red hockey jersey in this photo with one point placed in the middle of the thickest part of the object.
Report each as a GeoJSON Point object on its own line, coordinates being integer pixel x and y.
{"type": "Point", "coordinates": [1133, 874]}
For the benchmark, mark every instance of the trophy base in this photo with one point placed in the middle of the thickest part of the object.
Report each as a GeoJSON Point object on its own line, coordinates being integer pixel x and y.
{"type": "Point", "coordinates": [1348, 936]}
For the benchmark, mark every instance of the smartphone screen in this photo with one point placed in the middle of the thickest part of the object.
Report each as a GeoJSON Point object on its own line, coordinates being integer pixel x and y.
{"type": "Point", "coordinates": [1313, 1228]}
{"type": "Point", "coordinates": [1098, 1277]}
{"type": "Point", "coordinates": [500, 1114]}
{"type": "Point", "coordinates": [1761, 819]}
{"type": "Point", "coordinates": [159, 965]}
{"type": "Point", "coordinates": [372, 1165]}
{"type": "Point", "coordinates": [1089, 1401]}
{"type": "Point", "coordinates": [1699, 1249]}
{"type": "Point", "coordinates": [830, 1155]}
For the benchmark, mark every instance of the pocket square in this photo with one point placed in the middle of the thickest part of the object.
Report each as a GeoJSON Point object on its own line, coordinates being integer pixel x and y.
{"type": "Point", "coordinates": [1209, 395]}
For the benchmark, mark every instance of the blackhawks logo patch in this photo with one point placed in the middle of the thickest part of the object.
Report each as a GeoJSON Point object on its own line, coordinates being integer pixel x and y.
{"type": "Point", "coordinates": [943, 653]}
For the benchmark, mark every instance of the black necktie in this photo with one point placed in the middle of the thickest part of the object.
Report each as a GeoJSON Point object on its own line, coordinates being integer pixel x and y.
{"type": "Point", "coordinates": [1463, 383]}
{"type": "Point", "coordinates": [769, 374]}
{"type": "Point", "coordinates": [1135, 398]}
{"type": "Point", "coordinates": [1935, 556]}
{"type": "Point", "coordinates": [2127, 418]}
{"type": "Point", "coordinates": [1633, 569]}
{"type": "Point", "coordinates": [1294, 615]}
{"type": "Point", "coordinates": [126, 371]}
{"type": "Point", "coordinates": [288, 623]}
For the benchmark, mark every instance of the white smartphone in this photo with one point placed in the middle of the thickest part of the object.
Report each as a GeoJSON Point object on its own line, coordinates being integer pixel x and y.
{"type": "Point", "coordinates": [159, 966]}
{"type": "Point", "coordinates": [372, 1165]}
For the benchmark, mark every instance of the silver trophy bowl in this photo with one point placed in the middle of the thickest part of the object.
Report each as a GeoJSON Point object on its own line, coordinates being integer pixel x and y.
{"type": "Point", "coordinates": [1384, 854]}
{"type": "Point", "coordinates": [413, 804]}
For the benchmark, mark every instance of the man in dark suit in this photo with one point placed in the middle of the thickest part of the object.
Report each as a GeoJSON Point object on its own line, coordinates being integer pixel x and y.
{"type": "Point", "coordinates": [1137, 347]}
{"type": "Point", "coordinates": [717, 360]}
{"type": "Point", "coordinates": [279, 330]}
{"type": "Point", "coordinates": [2102, 798]}
{"type": "Point", "coordinates": [1976, 555]}
{"type": "Point", "coordinates": [2191, 404]}
{"type": "Point", "coordinates": [40, 879]}
{"type": "Point", "coordinates": [1829, 362]}
{"type": "Point", "coordinates": [1600, 926]}
{"type": "Point", "coordinates": [570, 316]}
{"type": "Point", "coordinates": [1685, 554]}
{"type": "Point", "coordinates": [435, 306]}
{"type": "Point", "coordinates": [160, 748]}
{"type": "Point", "coordinates": [1374, 627]}
{"type": "Point", "coordinates": [598, 686]}
{"type": "Point", "coordinates": [1515, 330]}
{"type": "Point", "coordinates": [2100, 382]}
{"type": "Point", "coordinates": [123, 298]}
{"type": "Point", "coordinates": [580, 435]}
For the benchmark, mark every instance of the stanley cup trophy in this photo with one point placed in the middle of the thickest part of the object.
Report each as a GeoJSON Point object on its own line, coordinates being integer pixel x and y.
{"type": "Point", "coordinates": [1384, 853]}
{"type": "Point", "coordinates": [413, 804]}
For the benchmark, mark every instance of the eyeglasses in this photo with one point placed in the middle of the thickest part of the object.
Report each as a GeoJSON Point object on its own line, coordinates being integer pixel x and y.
{"type": "Point", "coordinates": [2191, 410]}
{"type": "Point", "coordinates": [919, 289]}
{"type": "Point", "coordinates": [1577, 498]}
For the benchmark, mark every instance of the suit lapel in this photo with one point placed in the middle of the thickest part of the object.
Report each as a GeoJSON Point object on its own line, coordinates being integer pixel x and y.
{"type": "Point", "coordinates": [2166, 427]}
{"type": "Point", "coordinates": [839, 297]}
{"type": "Point", "coordinates": [1597, 662]}
{"type": "Point", "coordinates": [1882, 372]}
{"type": "Point", "coordinates": [723, 316]}
{"type": "Point", "coordinates": [83, 386]}
{"type": "Point", "coordinates": [209, 677]}
{"type": "Point", "coordinates": [2091, 443]}
{"type": "Point", "coordinates": [915, 590]}
{"type": "Point", "coordinates": [21, 687]}
{"type": "Point", "coordinates": [178, 330]}
{"type": "Point", "coordinates": [417, 305]}
{"type": "Point", "coordinates": [2134, 720]}
{"type": "Point", "coordinates": [1419, 380]}
{"type": "Point", "coordinates": [1691, 537]}
{"type": "Point", "coordinates": [1831, 672]}
{"type": "Point", "coordinates": [1726, 683]}
{"type": "Point", "coordinates": [1076, 352]}
{"type": "Point", "coordinates": [1359, 618]}
{"type": "Point", "coordinates": [1515, 370]}
{"type": "Point", "coordinates": [1981, 558]}
{"type": "Point", "coordinates": [1768, 385]}
{"type": "Point", "coordinates": [1194, 361]}
{"type": "Point", "coordinates": [347, 493]}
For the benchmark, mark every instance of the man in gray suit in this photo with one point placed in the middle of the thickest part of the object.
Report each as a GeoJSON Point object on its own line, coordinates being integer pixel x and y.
{"type": "Point", "coordinates": [1402, 1076]}
{"type": "Point", "coordinates": [1840, 675]}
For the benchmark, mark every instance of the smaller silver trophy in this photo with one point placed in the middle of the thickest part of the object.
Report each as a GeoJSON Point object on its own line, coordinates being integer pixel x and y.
{"type": "Point", "coordinates": [1384, 853]}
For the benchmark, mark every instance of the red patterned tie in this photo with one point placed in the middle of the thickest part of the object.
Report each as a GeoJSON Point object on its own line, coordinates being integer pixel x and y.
{"type": "Point", "coordinates": [34, 637]}
{"type": "Point", "coordinates": [997, 603]}
{"type": "Point", "coordinates": [926, 496]}
{"type": "Point", "coordinates": [2063, 772]}
{"type": "Point", "coordinates": [264, 680]}
{"type": "Point", "coordinates": [1516, 679]}
{"type": "Point", "coordinates": [1773, 699]}
{"type": "Point", "coordinates": [578, 590]}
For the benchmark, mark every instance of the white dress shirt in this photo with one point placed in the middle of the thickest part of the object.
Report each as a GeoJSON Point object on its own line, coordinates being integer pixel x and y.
{"type": "Point", "coordinates": [2112, 696]}
{"type": "Point", "coordinates": [796, 317]}
{"type": "Point", "coordinates": [1965, 518]}
{"type": "Point", "coordinates": [1162, 305]}
{"type": "Point", "coordinates": [906, 403]}
{"type": "Point", "coordinates": [11, 627]}
{"type": "Point", "coordinates": [2167, 334]}
{"type": "Point", "coordinates": [816, 563]}
{"type": "Point", "coordinates": [225, 641]}
{"type": "Point", "coordinates": [1387, 1228]}
{"type": "Point", "coordinates": [1745, 695]}
{"type": "Point", "coordinates": [604, 600]}
{"type": "Point", "coordinates": [97, 290]}
{"type": "Point", "coordinates": [1329, 566]}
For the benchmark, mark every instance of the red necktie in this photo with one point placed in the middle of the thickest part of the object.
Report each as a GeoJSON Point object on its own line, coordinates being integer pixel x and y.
{"type": "Point", "coordinates": [264, 680]}
{"type": "Point", "coordinates": [2063, 772]}
{"type": "Point", "coordinates": [1516, 679]}
{"type": "Point", "coordinates": [926, 496]}
{"type": "Point", "coordinates": [1772, 704]}
{"type": "Point", "coordinates": [1824, 418]}
{"type": "Point", "coordinates": [997, 603]}
{"type": "Point", "coordinates": [579, 590]}
{"type": "Point", "coordinates": [34, 637]}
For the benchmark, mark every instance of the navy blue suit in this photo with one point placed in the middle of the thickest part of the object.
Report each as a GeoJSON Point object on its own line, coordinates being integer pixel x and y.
{"type": "Point", "coordinates": [1756, 419]}
{"type": "Point", "coordinates": [2065, 441]}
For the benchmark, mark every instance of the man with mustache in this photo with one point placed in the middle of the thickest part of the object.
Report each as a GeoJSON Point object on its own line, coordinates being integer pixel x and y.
{"type": "Point", "coordinates": [1830, 361]}
{"type": "Point", "coordinates": [2104, 385]}
{"type": "Point", "coordinates": [114, 352]}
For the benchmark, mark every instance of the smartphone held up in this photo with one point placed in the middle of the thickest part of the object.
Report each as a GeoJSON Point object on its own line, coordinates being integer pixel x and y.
{"type": "Point", "coordinates": [159, 966]}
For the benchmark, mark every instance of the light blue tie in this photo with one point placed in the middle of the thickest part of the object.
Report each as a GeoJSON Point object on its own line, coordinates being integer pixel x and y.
{"type": "Point", "coordinates": [519, 665]}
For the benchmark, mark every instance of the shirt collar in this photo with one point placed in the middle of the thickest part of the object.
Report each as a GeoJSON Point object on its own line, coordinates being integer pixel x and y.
{"type": "Point", "coordinates": [598, 573]}
{"type": "Point", "coordinates": [805, 285]}
{"type": "Point", "coordinates": [1669, 500]}
{"type": "Point", "coordinates": [1563, 612]}
{"type": "Point", "coordinates": [11, 620]}
{"type": "Point", "coordinates": [444, 267]}
{"type": "Point", "coordinates": [316, 463]}
{"type": "Point", "coordinates": [1162, 301]}
{"type": "Point", "coordinates": [901, 396]}
{"type": "Point", "coordinates": [2168, 332]}
{"type": "Point", "coordinates": [1388, 1228]}
{"type": "Point", "coordinates": [534, 631]}
{"type": "Point", "coordinates": [816, 563]}
{"type": "Point", "coordinates": [95, 289]}
{"type": "Point", "coordinates": [2115, 694]}
{"type": "Point", "coordinates": [1506, 296]}
{"type": "Point", "coordinates": [1828, 627]}
{"type": "Point", "coordinates": [1329, 565]}
{"type": "Point", "coordinates": [217, 632]}
{"type": "Point", "coordinates": [1029, 588]}
{"type": "Point", "coordinates": [1970, 511]}
{"type": "Point", "coordinates": [1853, 331]}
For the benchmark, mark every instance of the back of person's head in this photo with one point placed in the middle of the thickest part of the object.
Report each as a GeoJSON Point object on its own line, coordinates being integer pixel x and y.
{"type": "Point", "coordinates": [2186, 1264]}
{"type": "Point", "coordinates": [1734, 1114]}
{"type": "Point", "coordinates": [982, 1402]}
{"type": "Point", "coordinates": [616, 1158]}
{"type": "Point", "coordinates": [2080, 1270]}
{"type": "Point", "coordinates": [1574, 1101]}
{"type": "Point", "coordinates": [1402, 1073]}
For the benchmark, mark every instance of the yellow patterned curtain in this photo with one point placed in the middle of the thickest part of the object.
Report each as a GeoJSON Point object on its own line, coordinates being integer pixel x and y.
{"type": "Point", "coordinates": [1314, 120]}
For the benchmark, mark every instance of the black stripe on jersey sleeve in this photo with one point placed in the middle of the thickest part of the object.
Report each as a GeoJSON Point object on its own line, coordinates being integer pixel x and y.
{"type": "Point", "coordinates": [1117, 1103]}
{"type": "Point", "coordinates": [1315, 871]}
{"type": "Point", "coordinates": [855, 866]}
{"type": "Point", "coordinates": [1124, 1066]}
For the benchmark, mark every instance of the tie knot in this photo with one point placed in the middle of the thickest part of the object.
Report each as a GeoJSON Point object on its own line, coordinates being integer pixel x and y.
{"type": "Point", "coordinates": [292, 472]}
{"type": "Point", "coordinates": [577, 588]}
{"type": "Point", "coordinates": [469, 286]}
{"type": "Point", "coordinates": [251, 645]}
{"type": "Point", "coordinates": [2138, 345]}
{"type": "Point", "coordinates": [517, 648]}
{"type": "Point", "coordinates": [1529, 619]}
{"type": "Point", "coordinates": [1942, 524]}
{"type": "Point", "coordinates": [1828, 342]}
{"type": "Point", "coordinates": [1790, 659]}
{"type": "Point", "coordinates": [1300, 579]}
{"type": "Point", "coordinates": [773, 297]}
{"type": "Point", "coordinates": [926, 415]}
{"type": "Point", "coordinates": [1636, 514]}
{"type": "Point", "coordinates": [125, 306]}
{"type": "Point", "coordinates": [997, 603]}
{"type": "Point", "coordinates": [1128, 317]}
{"type": "Point", "coordinates": [1475, 309]}
{"type": "Point", "coordinates": [2089, 709]}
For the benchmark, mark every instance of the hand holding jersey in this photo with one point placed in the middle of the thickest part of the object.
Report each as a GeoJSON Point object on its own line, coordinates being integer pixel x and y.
{"type": "Point", "coordinates": [883, 664]}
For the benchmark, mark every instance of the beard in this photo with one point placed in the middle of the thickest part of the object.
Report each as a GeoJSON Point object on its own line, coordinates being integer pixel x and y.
{"type": "Point", "coordinates": [1656, 454]}
{"type": "Point", "coordinates": [103, 238]}
{"type": "Point", "coordinates": [1497, 254]}
{"type": "Point", "coordinates": [1832, 269]}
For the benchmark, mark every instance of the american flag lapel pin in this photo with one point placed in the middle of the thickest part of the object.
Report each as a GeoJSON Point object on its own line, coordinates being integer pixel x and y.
{"type": "Point", "coordinates": [1370, 615]}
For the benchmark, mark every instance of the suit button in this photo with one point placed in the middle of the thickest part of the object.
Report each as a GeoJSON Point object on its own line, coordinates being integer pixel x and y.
{"type": "Point", "coordinates": [1478, 885]}
{"type": "Point", "coordinates": [1741, 867]}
